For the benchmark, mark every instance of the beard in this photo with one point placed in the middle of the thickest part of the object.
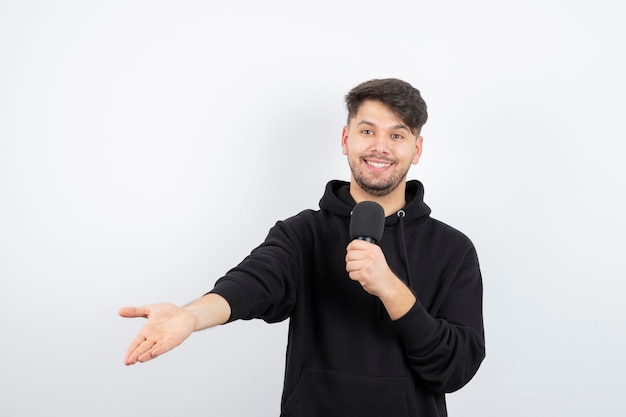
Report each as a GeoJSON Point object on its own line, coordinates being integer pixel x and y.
{"type": "Point", "coordinates": [378, 186]}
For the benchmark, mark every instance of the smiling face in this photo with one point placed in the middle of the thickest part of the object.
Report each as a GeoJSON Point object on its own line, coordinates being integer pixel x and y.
{"type": "Point", "coordinates": [380, 149]}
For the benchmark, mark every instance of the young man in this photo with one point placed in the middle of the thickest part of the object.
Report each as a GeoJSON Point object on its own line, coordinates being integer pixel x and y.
{"type": "Point", "coordinates": [375, 329]}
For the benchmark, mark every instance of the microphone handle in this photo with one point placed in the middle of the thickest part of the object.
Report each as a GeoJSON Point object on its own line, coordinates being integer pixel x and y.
{"type": "Point", "coordinates": [367, 239]}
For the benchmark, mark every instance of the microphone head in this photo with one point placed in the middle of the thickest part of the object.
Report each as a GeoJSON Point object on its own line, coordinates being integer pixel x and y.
{"type": "Point", "coordinates": [367, 221]}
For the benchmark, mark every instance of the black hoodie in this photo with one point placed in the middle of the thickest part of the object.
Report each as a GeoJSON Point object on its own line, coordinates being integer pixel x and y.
{"type": "Point", "coordinates": [345, 357]}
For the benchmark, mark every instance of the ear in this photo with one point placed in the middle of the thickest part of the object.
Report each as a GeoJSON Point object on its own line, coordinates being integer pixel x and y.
{"type": "Point", "coordinates": [418, 149]}
{"type": "Point", "coordinates": [344, 140]}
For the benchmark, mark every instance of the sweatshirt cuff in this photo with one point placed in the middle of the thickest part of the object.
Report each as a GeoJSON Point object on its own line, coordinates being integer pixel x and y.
{"type": "Point", "coordinates": [236, 296]}
{"type": "Point", "coordinates": [416, 325]}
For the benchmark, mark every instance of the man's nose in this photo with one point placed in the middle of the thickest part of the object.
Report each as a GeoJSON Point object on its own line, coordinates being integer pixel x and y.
{"type": "Point", "coordinates": [380, 143]}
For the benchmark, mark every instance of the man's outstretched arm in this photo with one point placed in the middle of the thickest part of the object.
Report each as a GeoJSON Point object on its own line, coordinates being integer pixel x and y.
{"type": "Point", "coordinates": [169, 325]}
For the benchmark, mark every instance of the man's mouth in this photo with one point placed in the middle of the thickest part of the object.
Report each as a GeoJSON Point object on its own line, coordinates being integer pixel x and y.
{"type": "Point", "coordinates": [377, 165]}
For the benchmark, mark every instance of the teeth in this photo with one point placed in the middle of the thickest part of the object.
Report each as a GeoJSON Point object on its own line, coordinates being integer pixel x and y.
{"type": "Point", "coordinates": [378, 164]}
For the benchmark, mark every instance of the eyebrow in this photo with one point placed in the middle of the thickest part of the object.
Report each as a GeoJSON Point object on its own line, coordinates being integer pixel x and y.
{"type": "Point", "coordinates": [394, 127]}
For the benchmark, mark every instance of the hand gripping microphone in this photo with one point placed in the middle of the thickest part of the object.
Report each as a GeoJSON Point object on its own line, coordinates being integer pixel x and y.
{"type": "Point", "coordinates": [367, 221]}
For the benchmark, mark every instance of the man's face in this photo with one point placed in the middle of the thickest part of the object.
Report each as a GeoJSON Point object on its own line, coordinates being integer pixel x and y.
{"type": "Point", "coordinates": [380, 149]}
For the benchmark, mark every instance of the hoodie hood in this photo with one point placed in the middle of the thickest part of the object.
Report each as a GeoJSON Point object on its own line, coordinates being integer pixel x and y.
{"type": "Point", "coordinates": [337, 200]}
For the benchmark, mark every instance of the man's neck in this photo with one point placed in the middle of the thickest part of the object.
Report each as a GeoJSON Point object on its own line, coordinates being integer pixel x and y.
{"type": "Point", "coordinates": [391, 202]}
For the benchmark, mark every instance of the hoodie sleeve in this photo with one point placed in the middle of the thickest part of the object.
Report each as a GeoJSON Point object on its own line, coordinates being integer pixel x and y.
{"type": "Point", "coordinates": [264, 284]}
{"type": "Point", "coordinates": [445, 349]}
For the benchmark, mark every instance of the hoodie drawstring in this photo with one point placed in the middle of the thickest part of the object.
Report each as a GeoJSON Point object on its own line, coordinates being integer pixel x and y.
{"type": "Point", "coordinates": [379, 306]}
{"type": "Point", "coordinates": [401, 214]}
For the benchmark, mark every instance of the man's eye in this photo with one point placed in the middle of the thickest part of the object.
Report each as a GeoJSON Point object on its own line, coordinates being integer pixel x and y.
{"type": "Point", "coordinates": [366, 131]}
{"type": "Point", "coordinates": [397, 136]}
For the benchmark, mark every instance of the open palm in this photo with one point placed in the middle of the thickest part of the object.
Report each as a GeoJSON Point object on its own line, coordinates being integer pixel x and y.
{"type": "Point", "coordinates": [167, 327]}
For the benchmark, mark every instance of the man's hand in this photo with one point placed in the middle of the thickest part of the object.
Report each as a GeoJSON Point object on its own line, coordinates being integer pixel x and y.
{"type": "Point", "coordinates": [167, 327]}
{"type": "Point", "coordinates": [366, 264]}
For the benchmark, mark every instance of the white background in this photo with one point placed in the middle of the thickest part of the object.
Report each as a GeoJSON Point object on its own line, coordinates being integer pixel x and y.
{"type": "Point", "coordinates": [147, 146]}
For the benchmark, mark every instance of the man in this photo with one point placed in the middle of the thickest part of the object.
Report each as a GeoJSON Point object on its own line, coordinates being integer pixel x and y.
{"type": "Point", "coordinates": [375, 329]}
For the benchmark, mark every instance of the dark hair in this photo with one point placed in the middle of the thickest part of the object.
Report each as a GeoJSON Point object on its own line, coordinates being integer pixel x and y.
{"type": "Point", "coordinates": [402, 98]}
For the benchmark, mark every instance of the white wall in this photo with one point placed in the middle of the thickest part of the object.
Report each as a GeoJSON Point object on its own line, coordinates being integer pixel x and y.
{"type": "Point", "coordinates": [147, 146]}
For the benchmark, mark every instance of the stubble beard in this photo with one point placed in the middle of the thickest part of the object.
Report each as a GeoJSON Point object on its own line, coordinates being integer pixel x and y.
{"type": "Point", "coordinates": [377, 187]}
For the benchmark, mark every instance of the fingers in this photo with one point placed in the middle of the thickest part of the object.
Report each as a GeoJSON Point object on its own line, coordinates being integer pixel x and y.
{"type": "Point", "coordinates": [140, 345]}
{"type": "Point", "coordinates": [366, 264]}
{"type": "Point", "coordinates": [354, 265]}
{"type": "Point", "coordinates": [358, 244]}
{"type": "Point", "coordinates": [142, 349]}
{"type": "Point", "coordinates": [354, 262]}
{"type": "Point", "coordinates": [359, 255]}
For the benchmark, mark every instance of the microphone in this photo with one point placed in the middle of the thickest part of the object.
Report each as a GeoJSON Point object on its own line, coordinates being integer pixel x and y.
{"type": "Point", "coordinates": [367, 221]}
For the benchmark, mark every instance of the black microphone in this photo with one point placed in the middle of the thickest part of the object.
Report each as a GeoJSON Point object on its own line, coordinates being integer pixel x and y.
{"type": "Point", "coordinates": [367, 221]}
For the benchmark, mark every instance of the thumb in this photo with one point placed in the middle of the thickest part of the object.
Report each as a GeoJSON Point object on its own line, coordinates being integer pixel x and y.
{"type": "Point", "coordinates": [133, 312]}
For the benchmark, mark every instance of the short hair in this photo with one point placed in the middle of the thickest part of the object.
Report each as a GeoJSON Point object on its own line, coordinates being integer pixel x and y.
{"type": "Point", "coordinates": [404, 100]}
